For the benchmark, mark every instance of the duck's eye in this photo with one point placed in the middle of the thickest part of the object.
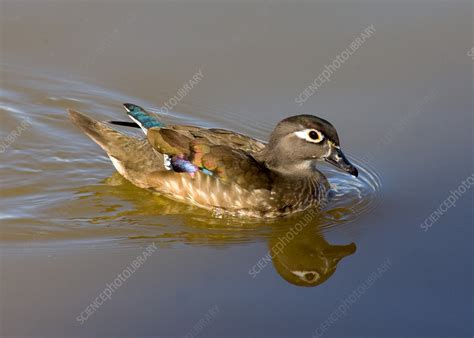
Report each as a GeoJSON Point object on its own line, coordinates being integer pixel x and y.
{"type": "Point", "coordinates": [310, 135]}
{"type": "Point", "coordinates": [313, 135]}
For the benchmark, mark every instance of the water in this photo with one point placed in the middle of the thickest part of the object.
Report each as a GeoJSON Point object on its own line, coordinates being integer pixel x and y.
{"type": "Point", "coordinates": [69, 224]}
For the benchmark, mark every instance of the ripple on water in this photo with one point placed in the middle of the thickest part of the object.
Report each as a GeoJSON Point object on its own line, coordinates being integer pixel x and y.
{"type": "Point", "coordinates": [58, 185]}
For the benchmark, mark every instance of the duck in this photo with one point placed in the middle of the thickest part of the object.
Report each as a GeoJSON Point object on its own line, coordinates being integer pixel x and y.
{"type": "Point", "coordinates": [223, 171]}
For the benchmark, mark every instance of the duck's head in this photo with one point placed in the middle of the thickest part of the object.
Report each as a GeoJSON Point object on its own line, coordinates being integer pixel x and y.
{"type": "Point", "coordinates": [298, 141]}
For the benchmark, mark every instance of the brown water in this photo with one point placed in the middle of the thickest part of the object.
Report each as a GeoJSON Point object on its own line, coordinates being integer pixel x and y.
{"type": "Point", "coordinates": [402, 104]}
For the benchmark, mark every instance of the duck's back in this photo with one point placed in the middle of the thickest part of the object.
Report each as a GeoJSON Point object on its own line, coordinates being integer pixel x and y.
{"type": "Point", "coordinates": [217, 136]}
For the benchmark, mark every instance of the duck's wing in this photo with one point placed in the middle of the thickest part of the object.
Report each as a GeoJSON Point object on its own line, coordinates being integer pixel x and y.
{"type": "Point", "coordinates": [228, 164]}
{"type": "Point", "coordinates": [229, 179]}
{"type": "Point", "coordinates": [223, 137]}
{"type": "Point", "coordinates": [216, 136]}
{"type": "Point", "coordinates": [231, 165]}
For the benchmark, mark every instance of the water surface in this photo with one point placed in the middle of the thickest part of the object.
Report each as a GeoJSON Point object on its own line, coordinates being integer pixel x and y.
{"type": "Point", "coordinates": [70, 224]}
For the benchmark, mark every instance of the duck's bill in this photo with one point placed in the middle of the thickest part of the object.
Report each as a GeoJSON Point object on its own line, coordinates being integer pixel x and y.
{"type": "Point", "coordinates": [337, 158]}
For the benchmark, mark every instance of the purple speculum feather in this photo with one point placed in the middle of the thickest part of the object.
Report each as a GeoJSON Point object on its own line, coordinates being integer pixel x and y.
{"type": "Point", "coordinates": [180, 164]}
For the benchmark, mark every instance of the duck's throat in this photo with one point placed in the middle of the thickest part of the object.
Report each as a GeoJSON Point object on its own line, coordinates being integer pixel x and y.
{"type": "Point", "coordinates": [299, 168]}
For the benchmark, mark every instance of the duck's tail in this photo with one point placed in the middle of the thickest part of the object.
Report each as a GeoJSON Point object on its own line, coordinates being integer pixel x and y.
{"type": "Point", "coordinates": [111, 140]}
{"type": "Point", "coordinates": [134, 158]}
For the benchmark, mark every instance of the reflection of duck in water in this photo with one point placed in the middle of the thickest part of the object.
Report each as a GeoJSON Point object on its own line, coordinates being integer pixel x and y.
{"type": "Point", "coordinates": [307, 259]}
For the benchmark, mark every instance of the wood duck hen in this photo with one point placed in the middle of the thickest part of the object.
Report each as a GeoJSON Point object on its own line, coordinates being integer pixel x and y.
{"type": "Point", "coordinates": [224, 171]}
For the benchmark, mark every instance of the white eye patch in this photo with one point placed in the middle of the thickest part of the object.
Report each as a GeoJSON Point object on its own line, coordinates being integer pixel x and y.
{"type": "Point", "coordinates": [310, 135]}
